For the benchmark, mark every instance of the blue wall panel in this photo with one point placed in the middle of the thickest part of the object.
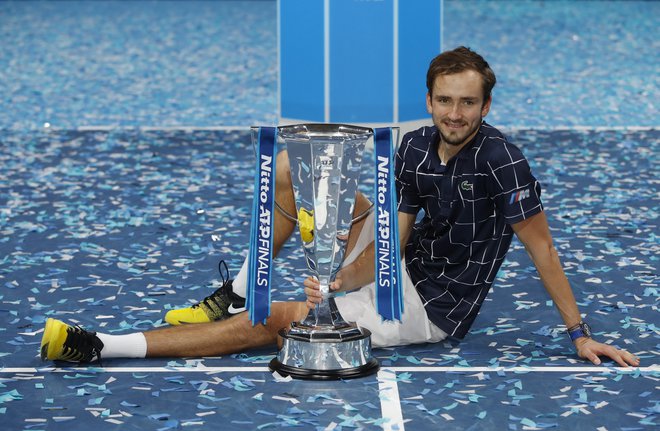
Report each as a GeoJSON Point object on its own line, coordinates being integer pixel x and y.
{"type": "Point", "coordinates": [361, 63]}
{"type": "Point", "coordinates": [301, 59]}
{"type": "Point", "coordinates": [419, 42]}
{"type": "Point", "coordinates": [359, 78]}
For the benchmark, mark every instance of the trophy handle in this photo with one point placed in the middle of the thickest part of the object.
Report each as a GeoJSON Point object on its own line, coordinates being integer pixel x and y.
{"type": "Point", "coordinates": [358, 218]}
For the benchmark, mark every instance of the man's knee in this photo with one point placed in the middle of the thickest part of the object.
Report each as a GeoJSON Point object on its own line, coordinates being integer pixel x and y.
{"type": "Point", "coordinates": [282, 170]}
{"type": "Point", "coordinates": [284, 313]}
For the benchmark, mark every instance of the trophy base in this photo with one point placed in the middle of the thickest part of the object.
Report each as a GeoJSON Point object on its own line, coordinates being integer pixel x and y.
{"type": "Point", "coordinates": [310, 374]}
{"type": "Point", "coordinates": [316, 358]}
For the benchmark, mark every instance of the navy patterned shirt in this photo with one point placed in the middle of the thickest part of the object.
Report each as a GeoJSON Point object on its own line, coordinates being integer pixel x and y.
{"type": "Point", "coordinates": [456, 249]}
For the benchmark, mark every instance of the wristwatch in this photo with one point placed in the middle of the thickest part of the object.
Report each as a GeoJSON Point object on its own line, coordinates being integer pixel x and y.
{"type": "Point", "coordinates": [582, 329]}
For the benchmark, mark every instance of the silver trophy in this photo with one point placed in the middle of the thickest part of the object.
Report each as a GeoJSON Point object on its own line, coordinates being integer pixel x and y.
{"type": "Point", "coordinates": [325, 164]}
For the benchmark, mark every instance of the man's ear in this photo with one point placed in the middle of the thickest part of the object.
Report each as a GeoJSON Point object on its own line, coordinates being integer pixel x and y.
{"type": "Point", "coordinates": [429, 107]}
{"type": "Point", "coordinates": [486, 108]}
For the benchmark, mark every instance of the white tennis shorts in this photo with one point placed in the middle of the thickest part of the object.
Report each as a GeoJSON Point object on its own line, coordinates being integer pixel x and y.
{"type": "Point", "coordinates": [359, 306]}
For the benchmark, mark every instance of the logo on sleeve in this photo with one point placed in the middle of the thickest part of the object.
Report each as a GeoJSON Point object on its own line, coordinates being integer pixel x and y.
{"type": "Point", "coordinates": [518, 196]}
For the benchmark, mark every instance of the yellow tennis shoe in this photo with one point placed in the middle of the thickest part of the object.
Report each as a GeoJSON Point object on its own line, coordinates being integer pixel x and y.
{"type": "Point", "coordinates": [220, 305]}
{"type": "Point", "coordinates": [62, 342]}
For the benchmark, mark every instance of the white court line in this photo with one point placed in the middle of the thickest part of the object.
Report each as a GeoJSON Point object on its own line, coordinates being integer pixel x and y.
{"type": "Point", "coordinates": [204, 369]}
{"type": "Point", "coordinates": [162, 128]}
{"type": "Point", "coordinates": [390, 402]}
{"type": "Point", "coordinates": [586, 369]}
{"type": "Point", "coordinates": [581, 128]}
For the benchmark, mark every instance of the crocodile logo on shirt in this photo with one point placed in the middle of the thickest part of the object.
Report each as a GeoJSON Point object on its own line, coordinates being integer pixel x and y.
{"type": "Point", "coordinates": [466, 186]}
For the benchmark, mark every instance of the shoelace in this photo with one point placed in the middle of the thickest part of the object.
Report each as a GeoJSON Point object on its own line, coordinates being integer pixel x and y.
{"type": "Point", "coordinates": [225, 279]}
{"type": "Point", "coordinates": [79, 342]}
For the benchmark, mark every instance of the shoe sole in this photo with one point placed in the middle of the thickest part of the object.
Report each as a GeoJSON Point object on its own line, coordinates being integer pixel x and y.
{"type": "Point", "coordinates": [45, 339]}
{"type": "Point", "coordinates": [52, 342]}
{"type": "Point", "coordinates": [174, 321]}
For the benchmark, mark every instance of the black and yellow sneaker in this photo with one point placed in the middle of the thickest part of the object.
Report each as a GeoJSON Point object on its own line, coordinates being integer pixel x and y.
{"type": "Point", "coordinates": [220, 305]}
{"type": "Point", "coordinates": [62, 342]}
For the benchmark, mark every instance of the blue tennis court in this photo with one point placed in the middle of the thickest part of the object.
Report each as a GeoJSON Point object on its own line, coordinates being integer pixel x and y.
{"type": "Point", "coordinates": [127, 175]}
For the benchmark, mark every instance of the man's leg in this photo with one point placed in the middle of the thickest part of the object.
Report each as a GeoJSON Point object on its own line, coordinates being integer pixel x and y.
{"type": "Point", "coordinates": [64, 342]}
{"type": "Point", "coordinates": [230, 297]}
{"type": "Point", "coordinates": [283, 226]}
{"type": "Point", "coordinates": [233, 335]}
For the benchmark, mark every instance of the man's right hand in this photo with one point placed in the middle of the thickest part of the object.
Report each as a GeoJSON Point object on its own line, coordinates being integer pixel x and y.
{"type": "Point", "coordinates": [313, 290]}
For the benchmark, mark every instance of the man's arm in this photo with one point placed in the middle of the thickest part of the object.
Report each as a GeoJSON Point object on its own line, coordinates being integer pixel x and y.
{"type": "Point", "coordinates": [534, 233]}
{"type": "Point", "coordinates": [361, 272]}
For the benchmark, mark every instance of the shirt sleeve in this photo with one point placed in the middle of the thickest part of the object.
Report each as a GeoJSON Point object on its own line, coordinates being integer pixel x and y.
{"type": "Point", "coordinates": [408, 195]}
{"type": "Point", "coordinates": [515, 190]}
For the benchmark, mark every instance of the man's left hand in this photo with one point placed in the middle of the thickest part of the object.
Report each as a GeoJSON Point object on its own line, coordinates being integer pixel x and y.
{"type": "Point", "coordinates": [590, 349]}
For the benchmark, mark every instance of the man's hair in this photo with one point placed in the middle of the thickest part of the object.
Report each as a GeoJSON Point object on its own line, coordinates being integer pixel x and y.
{"type": "Point", "coordinates": [459, 60]}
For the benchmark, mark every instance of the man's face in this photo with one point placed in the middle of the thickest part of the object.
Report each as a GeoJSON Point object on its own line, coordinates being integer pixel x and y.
{"type": "Point", "coordinates": [457, 106]}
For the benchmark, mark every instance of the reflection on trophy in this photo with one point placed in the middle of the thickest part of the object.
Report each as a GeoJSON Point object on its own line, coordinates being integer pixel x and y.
{"type": "Point", "coordinates": [325, 164]}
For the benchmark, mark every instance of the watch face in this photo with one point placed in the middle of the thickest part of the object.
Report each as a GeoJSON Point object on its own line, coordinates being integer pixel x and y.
{"type": "Point", "coordinates": [586, 329]}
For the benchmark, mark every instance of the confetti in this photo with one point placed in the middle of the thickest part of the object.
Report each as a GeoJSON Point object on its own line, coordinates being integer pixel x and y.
{"type": "Point", "coordinates": [110, 228]}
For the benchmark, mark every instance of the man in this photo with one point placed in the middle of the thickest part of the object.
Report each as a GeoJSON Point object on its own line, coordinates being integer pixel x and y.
{"type": "Point", "coordinates": [476, 191]}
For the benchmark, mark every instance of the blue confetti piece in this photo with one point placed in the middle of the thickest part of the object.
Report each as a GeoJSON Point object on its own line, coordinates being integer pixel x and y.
{"type": "Point", "coordinates": [95, 401]}
{"type": "Point", "coordinates": [10, 396]}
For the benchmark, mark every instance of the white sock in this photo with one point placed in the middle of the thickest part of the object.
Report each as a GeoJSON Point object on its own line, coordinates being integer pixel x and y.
{"type": "Point", "coordinates": [239, 286]}
{"type": "Point", "coordinates": [123, 346]}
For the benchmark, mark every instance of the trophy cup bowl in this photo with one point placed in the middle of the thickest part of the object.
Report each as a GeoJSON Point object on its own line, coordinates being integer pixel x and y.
{"type": "Point", "coordinates": [325, 164]}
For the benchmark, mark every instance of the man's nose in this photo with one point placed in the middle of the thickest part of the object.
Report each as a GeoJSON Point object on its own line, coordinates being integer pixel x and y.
{"type": "Point", "coordinates": [455, 111]}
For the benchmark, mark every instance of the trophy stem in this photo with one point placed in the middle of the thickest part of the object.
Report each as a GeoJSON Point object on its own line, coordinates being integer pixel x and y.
{"type": "Point", "coordinates": [325, 316]}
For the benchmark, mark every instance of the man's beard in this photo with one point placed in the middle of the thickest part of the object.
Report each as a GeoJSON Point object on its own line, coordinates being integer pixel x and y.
{"type": "Point", "coordinates": [457, 140]}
